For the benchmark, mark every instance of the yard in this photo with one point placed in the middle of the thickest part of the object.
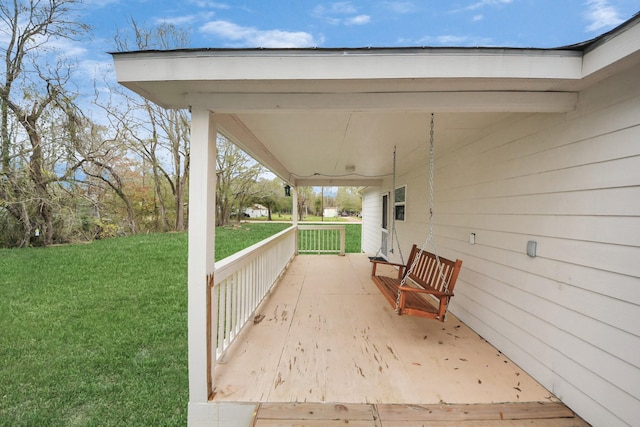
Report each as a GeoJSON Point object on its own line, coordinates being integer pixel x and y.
{"type": "Point", "coordinates": [96, 334]}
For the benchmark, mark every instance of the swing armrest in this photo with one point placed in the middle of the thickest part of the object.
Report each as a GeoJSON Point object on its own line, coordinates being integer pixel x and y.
{"type": "Point", "coordinates": [425, 291]}
{"type": "Point", "coordinates": [401, 267]}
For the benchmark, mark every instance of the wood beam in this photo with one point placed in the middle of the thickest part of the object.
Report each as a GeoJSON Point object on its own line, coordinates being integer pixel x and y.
{"type": "Point", "coordinates": [522, 102]}
{"type": "Point", "coordinates": [233, 129]}
{"type": "Point", "coordinates": [338, 182]}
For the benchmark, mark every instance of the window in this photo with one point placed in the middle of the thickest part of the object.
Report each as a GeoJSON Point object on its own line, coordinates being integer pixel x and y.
{"type": "Point", "coordinates": [385, 211]}
{"type": "Point", "coordinates": [399, 202]}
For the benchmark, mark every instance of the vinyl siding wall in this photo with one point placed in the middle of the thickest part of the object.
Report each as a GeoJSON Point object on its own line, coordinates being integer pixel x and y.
{"type": "Point", "coordinates": [371, 225]}
{"type": "Point", "coordinates": [570, 182]}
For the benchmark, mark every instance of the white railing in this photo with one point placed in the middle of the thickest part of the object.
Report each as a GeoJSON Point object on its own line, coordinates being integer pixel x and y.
{"type": "Point", "coordinates": [321, 239]}
{"type": "Point", "coordinates": [241, 282]}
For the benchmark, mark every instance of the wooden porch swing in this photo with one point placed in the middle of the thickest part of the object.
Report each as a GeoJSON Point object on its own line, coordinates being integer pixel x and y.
{"type": "Point", "coordinates": [424, 285]}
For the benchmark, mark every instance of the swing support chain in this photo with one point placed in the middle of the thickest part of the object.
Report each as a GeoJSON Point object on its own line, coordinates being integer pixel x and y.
{"type": "Point", "coordinates": [430, 235]}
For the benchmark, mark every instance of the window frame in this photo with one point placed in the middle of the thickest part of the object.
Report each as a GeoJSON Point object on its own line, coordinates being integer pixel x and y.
{"type": "Point", "coordinates": [400, 206]}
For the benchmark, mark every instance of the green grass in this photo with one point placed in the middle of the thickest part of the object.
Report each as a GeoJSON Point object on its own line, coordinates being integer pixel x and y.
{"type": "Point", "coordinates": [352, 236]}
{"type": "Point", "coordinates": [96, 334]}
{"type": "Point", "coordinates": [230, 239]}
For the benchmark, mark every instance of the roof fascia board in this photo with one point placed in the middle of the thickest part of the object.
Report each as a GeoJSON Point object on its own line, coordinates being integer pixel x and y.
{"type": "Point", "coordinates": [383, 64]}
{"type": "Point", "coordinates": [612, 48]}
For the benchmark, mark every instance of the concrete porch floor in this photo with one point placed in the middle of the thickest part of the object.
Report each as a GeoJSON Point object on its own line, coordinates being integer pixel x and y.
{"type": "Point", "coordinates": [325, 334]}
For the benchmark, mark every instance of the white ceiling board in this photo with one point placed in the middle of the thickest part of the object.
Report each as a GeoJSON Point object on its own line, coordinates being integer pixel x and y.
{"type": "Point", "coordinates": [316, 146]}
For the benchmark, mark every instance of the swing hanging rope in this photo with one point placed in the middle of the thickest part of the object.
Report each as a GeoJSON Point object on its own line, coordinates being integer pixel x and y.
{"type": "Point", "coordinates": [430, 238]}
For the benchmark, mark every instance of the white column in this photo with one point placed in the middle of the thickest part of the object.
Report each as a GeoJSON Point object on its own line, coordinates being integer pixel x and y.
{"type": "Point", "coordinates": [202, 220]}
{"type": "Point", "coordinates": [294, 213]}
{"type": "Point", "coordinates": [294, 207]}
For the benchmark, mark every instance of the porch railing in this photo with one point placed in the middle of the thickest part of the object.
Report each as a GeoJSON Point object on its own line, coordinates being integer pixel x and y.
{"type": "Point", "coordinates": [242, 280]}
{"type": "Point", "coordinates": [321, 239]}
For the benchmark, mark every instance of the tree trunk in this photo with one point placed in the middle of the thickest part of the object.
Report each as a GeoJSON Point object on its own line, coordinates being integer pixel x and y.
{"type": "Point", "coordinates": [40, 183]}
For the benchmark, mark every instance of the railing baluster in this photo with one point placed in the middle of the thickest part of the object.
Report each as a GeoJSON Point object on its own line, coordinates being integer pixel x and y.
{"type": "Point", "coordinates": [243, 280]}
{"type": "Point", "coordinates": [321, 239]}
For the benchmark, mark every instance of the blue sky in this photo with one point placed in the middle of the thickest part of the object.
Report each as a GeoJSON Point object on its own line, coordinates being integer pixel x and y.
{"type": "Point", "coordinates": [369, 23]}
{"type": "Point", "coordinates": [303, 23]}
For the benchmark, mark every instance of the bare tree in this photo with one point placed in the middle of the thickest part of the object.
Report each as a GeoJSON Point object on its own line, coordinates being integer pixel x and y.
{"type": "Point", "coordinates": [33, 85]}
{"type": "Point", "coordinates": [160, 136]}
{"type": "Point", "coordinates": [237, 175]}
{"type": "Point", "coordinates": [101, 163]}
{"type": "Point", "coordinates": [305, 199]}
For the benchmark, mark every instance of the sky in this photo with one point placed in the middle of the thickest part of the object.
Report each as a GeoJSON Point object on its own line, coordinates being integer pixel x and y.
{"type": "Point", "coordinates": [336, 24]}
{"type": "Point", "coordinates": [368, 23]}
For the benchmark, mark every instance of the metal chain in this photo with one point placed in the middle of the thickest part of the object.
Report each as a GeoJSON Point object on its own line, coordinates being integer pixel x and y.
{"type": "Point", "coordinates": [430, 235]}
{"type": "Point", "coordinates": [394, 230]}
{"type": "Point", "coordinates": [393, 199]}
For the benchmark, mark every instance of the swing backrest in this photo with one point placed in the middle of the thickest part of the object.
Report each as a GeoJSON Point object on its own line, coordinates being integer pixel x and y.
{"type": "Point", "coordinates": [429, 271]}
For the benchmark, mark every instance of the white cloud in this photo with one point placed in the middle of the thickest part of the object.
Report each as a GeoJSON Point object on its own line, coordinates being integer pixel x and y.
{"type": "Point", "coordinates": [185, 19]}
{"type": "Point", "coordinates": [209, 4]}
{"type": "Point", "coordinates": [342, 8]}
{"type": "Point", "coordinates": [62, 48]}
{"type": "Point", "coordinates": [97, 70]}
{"type": "Point", "coordinates": [253, 37]}
{"type": "Point", "coordinates": [450, 40]}
{"type": "Point", "coordinates": [358, 20]}
{"type": "Point", "coordinates": [402, 7]}
{"type": "Point", "coordinates": [601, 15]}
{"type": "Point", "coordinates": [99, 3]}
{"type": "Point", "coordinates": [477, 18]}
{"type": "Point", "coordinates": [484, 3]}
{"type": "Point", "coordinates": [334, 14]}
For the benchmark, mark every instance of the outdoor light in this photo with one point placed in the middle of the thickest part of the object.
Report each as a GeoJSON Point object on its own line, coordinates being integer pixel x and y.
{"type": "Point", "coordinates": [531, 248]}
{"type": "Point", "coordinates": [287, 190]}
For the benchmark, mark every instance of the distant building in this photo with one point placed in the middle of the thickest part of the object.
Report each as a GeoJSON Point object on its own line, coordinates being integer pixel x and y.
{"type": "Point", "coordinates": [256, 211]}
{"type": "Point", "coordinates": [330, 213]}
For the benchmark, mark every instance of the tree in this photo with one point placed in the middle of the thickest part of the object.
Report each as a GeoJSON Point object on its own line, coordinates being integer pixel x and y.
{"type": "Point", "coordinates": [306, 198]}
{"type": "Point", "coordinates": [33, 90]}
{"type": "Point", "coordinates": [270, 193]}
{"type": "Point", "coordinates": [237, 174]}
{"type": "Point", "coordinates": [349, 199]}
{"type": "Point", "coordinates": [106, 161]}
{"type": "Point", "coordinates": [160, 136]}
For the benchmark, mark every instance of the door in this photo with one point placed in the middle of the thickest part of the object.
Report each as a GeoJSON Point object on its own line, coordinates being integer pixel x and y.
{"type": "Point", "coordinates": [384, 238]}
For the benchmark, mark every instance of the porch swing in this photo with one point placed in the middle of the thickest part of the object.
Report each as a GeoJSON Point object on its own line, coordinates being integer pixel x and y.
{"type": "Point", "coordinates": [424, 285]}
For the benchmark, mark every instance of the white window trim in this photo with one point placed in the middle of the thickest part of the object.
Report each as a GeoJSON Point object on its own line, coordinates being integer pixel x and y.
{"type": "Point", "coordinates": [402, 204]}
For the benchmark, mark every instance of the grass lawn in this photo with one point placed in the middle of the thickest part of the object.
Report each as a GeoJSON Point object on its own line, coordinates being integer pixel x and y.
{"type": "Point", "coordinates": [96, 334]}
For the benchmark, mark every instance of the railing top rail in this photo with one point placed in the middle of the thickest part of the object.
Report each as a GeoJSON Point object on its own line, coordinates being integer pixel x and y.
{"type": "Point", "coordinates": [320, 227]}
{"type": "Point", "coordinates": [225, 267]}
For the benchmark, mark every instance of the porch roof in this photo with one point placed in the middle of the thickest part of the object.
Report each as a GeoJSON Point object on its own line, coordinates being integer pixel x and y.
{"type": "Point", "coordinates": [333, 116]}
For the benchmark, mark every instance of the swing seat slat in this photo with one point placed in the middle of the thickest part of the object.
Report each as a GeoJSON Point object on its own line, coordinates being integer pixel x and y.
{"type": "Point", "coordinates": [428, 288]}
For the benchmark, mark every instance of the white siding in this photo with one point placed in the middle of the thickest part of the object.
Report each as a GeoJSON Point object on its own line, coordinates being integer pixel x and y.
{"type": "Point", "coordinates": [571, 182]}
{"type": "Point", "coordinates": [371, 220]}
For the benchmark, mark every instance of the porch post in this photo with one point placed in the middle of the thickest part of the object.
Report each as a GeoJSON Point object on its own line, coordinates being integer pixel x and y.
{"type": "Point", "coordinates": [202, 199]}
{"type": "Point", "coordinates": [294, 214]}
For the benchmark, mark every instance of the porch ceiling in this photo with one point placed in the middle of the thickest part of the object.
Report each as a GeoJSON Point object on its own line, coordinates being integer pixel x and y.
{"type": "Point", "coordinates": [312, 115]}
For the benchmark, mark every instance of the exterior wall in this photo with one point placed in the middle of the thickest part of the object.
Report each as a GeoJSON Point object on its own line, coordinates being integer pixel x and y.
{"type": "Point", "coordinates": [371, 220]}
{"type": "Point", "coordinates": [570, 182]}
